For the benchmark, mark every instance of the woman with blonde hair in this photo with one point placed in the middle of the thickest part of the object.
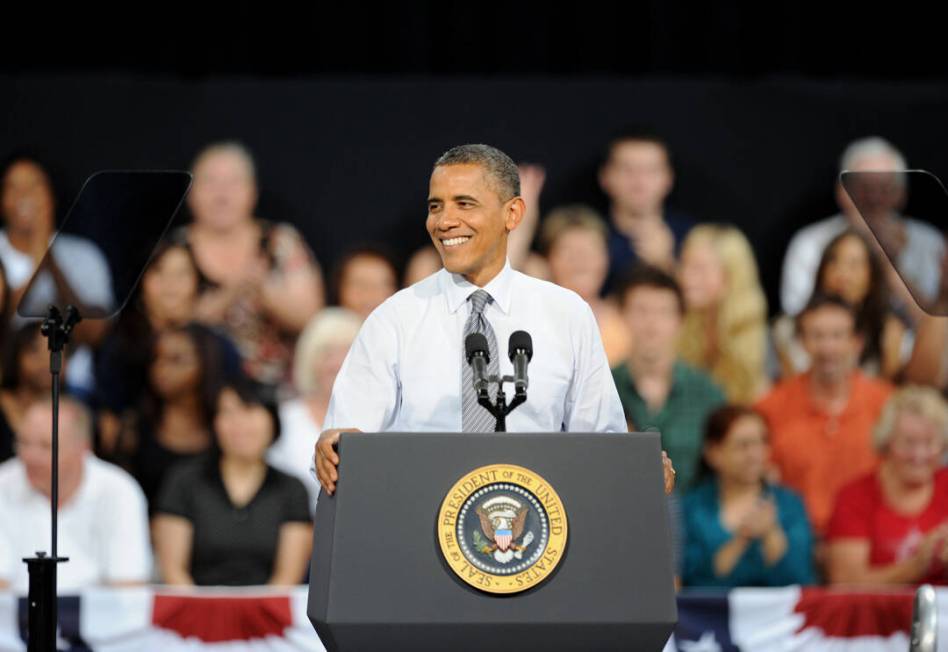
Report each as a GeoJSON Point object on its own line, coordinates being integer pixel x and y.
{"type": "Point", "coordinates": [320, 351]}
{"type": "Point", "coordinates": [725, 327]}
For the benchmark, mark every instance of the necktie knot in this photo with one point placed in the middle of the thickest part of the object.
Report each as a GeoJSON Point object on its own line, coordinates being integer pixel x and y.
{"type": "Point", "coordinates": [479, 300]}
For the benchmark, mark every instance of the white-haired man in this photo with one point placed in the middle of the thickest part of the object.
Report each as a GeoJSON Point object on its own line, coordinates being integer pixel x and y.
{"type": "Point", "coordinates": [103, 518]}
{"type": "Point", "coordinates": [920, 247]}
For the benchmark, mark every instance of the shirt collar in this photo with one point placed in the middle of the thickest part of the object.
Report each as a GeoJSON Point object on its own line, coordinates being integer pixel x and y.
{"type": "Point", "coordinates": [457, 289]}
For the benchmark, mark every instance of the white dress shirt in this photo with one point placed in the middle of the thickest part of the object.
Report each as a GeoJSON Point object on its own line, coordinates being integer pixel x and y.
{"type": "Point", "coordinates": [403, 372]}
{"type": "Point", "coordinates": [103, 529]}
{"type": "Point", "coordinates": [292, 453]}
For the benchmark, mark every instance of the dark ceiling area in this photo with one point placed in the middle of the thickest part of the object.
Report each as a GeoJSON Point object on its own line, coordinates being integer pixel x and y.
{"type": "Point", "coordinates": [654, 38]}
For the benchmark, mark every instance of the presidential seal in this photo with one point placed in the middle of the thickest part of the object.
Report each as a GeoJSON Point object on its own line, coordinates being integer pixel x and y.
{"type": "Point", "coordinates": [502, 528]}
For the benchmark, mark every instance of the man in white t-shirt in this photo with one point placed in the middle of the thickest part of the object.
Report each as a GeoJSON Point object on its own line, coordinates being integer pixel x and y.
{"type": "Point", "coordinates": [920, 246]}
{"type": "Point", "coordinates": [103, 517]}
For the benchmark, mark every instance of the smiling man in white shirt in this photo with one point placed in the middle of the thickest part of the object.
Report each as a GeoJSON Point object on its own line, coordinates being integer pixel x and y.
{"type": "Point", "coordinates": [404, 372]}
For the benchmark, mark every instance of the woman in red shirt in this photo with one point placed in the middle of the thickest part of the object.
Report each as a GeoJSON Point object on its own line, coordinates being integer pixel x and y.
{"type": "Point", "coordinates": [891, 526]}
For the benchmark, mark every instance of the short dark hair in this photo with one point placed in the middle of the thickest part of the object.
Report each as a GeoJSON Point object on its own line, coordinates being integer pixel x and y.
{"type": "Point", "coordinates": [718, 425]}
{"type": "Point", "coordinates": [371, 250]}
{"type": "Point", "coordinates": [50, 171]}
{"type": "Point", "coordinates": [499, 167]}
{"type": "Point", "coordinates": [250, 393]}
{"type": "Point", "coordinates": [821, 300]}
{"type": "Point", "coordinates": [634, 135]}
{"type": "Point", "coordinates": [651, 277]}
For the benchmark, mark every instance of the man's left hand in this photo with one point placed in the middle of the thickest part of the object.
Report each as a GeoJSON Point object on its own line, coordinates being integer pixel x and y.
{"type": "Point", "coordinates": [669, 471]}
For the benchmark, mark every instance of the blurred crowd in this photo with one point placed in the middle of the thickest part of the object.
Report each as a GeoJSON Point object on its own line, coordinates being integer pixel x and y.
{"type": "Point", "coordinates": [810, 447]}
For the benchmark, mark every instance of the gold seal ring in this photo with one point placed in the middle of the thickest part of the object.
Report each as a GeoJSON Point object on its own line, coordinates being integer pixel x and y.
{"type": "Point", "coordinates": [502, 528]}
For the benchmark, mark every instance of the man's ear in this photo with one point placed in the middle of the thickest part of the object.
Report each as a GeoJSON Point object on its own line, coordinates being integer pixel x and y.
{"type": "Point", "coordinates": [513, 213]}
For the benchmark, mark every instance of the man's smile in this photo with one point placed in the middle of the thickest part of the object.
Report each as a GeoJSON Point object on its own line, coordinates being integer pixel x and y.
{"type": "Point", "coordinates": [456, 241]}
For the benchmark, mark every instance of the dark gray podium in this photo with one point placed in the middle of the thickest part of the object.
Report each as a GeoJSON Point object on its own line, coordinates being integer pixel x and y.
{"type": "Point", "coordinates": [379, 581]}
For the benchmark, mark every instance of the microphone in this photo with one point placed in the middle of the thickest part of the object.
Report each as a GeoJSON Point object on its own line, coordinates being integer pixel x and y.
{"type": "Point", "coordinates": [478, 356]}
{"type": "Point", "coordinates": [520, 352]}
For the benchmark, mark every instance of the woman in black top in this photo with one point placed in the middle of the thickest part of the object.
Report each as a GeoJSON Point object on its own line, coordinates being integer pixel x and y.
{"type": "Point", "coordinates": [229, 518]}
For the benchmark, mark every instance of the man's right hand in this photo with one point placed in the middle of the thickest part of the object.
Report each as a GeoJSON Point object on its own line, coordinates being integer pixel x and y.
{"type": "Point", "coordinates": [327, 459]}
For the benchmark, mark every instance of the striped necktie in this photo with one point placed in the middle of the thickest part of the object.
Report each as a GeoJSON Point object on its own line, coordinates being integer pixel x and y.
{"type": "Point", "coordinates": [474, 418]}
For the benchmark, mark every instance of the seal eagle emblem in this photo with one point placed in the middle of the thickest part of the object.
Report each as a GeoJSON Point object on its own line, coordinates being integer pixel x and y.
{"type": "Point", "coordinates": [502, 528]}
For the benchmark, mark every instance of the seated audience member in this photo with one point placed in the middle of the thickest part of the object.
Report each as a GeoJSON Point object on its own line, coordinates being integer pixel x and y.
{"type": "Point", "coordinates": [850, 267]}
{"type": "Point", "coordinates": [171, 420]}
{"type": "Point", "coordinates": [919, 246]}
{"type": "Point", "coordinates": [821, 420]}
{"type": "Point", "coordinates": [264, 285]}
{"type": "Point", "coordinates": [575, 242]}
{"type": "Point", "coordinates": [364, 278]}
{"type": "Point", "coordinates": [76, 274]}
{"type": "Point", "coordinates": [891, 526]}
{"type": "Point", "coordinates": [26, 380]}
{"type": "Point", "coordinates": [229, 518]}
{"type": "Point", "coordinates": [103, 523]}
{"type": "Point", "coordinates": [320, 351]}
{"type": "Point", "coordinates": [166, 298]}
{"type": "Point", "coordinates": [423, 263]}
{"type": "Point", "coordinates": [657, 390]}
{"type": "Point", "coordinates": [725, 328]}
{"type": "Point", "coordinates": [739, 529]}
{"type": "Point", "coordinates": [637, 176]}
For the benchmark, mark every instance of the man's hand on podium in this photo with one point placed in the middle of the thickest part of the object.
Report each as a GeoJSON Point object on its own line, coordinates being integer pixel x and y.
{"type": "Point", "coordinates": [327, 459]}
{"type": "Point", "coordinates": [669, 473]}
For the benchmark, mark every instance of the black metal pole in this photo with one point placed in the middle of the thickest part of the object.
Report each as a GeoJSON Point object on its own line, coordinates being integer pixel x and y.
{"type": "Point", "coordinates": [55, 365]}
{"type": "Point", "coordinates": [500, 411]}
{"type": "Point", "coordinates": [42, 615]}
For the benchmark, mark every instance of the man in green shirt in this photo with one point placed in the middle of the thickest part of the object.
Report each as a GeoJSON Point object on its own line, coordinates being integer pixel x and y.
{"type": "Point", "coordinates": [658, 391]}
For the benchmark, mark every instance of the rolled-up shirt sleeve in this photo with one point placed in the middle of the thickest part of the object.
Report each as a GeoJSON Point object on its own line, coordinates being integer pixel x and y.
{"type": "Point", "coordinates": [366, 392]}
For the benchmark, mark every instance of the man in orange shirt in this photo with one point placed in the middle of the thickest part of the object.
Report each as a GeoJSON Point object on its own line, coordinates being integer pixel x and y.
{"type": "Point", "coordinates": [821, 420]}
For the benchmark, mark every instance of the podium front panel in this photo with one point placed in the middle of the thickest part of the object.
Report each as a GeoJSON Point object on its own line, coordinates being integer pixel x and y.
{"type": "Point", "coordinates": [378, 570]}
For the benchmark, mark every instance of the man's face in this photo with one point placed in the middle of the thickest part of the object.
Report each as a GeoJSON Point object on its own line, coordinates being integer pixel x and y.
{"type": "Point", "coordinates": [654, 320]}
{"type": "Point", "coordinates": [829, 338]}
{"type": "Point", "coordinates": [366, 282]}
{"type": "Point", "coordinates": [637, 176]}
{"type": "Point", "coordinates": [877, 195]}
{"type": "Point", "coordinates": [468, 221]}
{"type": "Point", "coordinates": [34, 445]}
{"type": "Point", "coordinates": [579, 261]}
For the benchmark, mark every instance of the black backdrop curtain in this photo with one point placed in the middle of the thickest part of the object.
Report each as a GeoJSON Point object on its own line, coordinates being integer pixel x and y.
{"type": "Point", "coordinates": [347, 160]}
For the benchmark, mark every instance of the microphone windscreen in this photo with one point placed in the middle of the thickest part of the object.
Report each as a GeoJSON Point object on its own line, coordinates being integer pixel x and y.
{"type": "Point", "coordinates": [476, 343]}
{"type": "Point", "coordinates": [520, 340]}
